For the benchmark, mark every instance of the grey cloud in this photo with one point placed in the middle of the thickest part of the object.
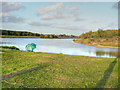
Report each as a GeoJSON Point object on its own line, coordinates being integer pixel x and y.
{"type": "Point", "coordinates": [7, 18]}
{"type": "Point", "coordinates": [55, 25]}
{"type": "Point", "coordinates": [38, 23]}
{"type": "Point", "coordinates": [79, 19]}
{"type": "Point", "coordinates": [116, 5]}
{"type": "Point", "coordinates": [9, 6]}
{"type": "Point", "coordinates": [71, 27]}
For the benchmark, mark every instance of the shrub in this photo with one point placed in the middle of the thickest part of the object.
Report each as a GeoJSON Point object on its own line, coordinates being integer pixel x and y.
{"type": "Point", "coordinates": [85, 37]}
{"type": "Point", "coordinates": [92, 39]}
{"type": "Point", "coordinates": [9, 47]}
{"type": "Point", "coordinates": [106, 38]}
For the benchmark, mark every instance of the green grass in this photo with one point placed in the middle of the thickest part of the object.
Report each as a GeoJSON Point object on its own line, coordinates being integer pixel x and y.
{"type": "Point", "coordinates": [47, 70]}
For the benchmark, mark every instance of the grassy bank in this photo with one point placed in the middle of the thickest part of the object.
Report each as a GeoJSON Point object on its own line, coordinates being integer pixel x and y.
{"type": "Point", "coordinates": [100, 42]}
{"type": "Point", "coordinates": [100, 38]}
{"type": "Point", "coordinates": [23, 69]}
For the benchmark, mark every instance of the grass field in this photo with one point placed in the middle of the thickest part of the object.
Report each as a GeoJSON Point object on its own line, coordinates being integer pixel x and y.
{"type": "Point", "coordinates": [21, 69]}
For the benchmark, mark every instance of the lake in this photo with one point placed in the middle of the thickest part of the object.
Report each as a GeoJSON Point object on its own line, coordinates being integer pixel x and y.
{"type": "Point", "coordinates": [61, 46]}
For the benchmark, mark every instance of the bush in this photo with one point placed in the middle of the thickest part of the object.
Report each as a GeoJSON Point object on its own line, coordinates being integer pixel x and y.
{"type": "Point", "coordinates": [73, 39]}
{"type": "Point", "coordinates": [9, 47]}
{"type": "Point", "coordinates": [106, 39]}
{"type": "Point", "coordinates": [89, 42]}
{"type": "Point", "coordinates": [91, 39]}
{"type": "Point", "coordinates": [85, 37]}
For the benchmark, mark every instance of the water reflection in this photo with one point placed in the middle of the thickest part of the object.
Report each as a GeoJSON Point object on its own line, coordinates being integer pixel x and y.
{"type": "Point", "coordinates": [4, 42]}
{"type": "Point", "coordinates": [110, 53]}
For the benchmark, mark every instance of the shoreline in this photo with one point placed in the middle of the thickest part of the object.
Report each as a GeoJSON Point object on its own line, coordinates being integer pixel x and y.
{"type": "Point", "coordinates": [59, 53]}
{"type": "Point", "coordinates": [97, 45]}
{"type": "Point", "coordinates": [4, 36]}
{"type": "Point", "coordinates": [37, 38]}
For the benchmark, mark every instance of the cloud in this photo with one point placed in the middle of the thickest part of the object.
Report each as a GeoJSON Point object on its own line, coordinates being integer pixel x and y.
{"type": "Point", "coordinates": [4, 15]}
{"type": "Point", "coordinates": [79, 19]}
{"type": "Point", "coordinates": [58, 12]}
{"type": "Point", "coordinates": [38, 23]}
{"type": "Point", "coordinates": [55, 25]}
{"type": "Point", "coordinates": [71, 8]}
{"type": "Point", "coordinates": [116, 5]}
{"type": "Point", "coordinates": [48, 17]}
{"type": "Point", "coordinates": [96, 21]}
{"type": "Point", "coordinates": [3, 0]}
{"type": "Point", "coordinates": [8, 18]}
{"type": "Point", "coordinates": [8, 6]}
{"type": "Point", "coordinates": [71, 27]}
{"type": "Point", "coordinates": [47, 9]}
{"type": "Point", "coordinates": [112, 24]}
{"type": "Point", "coordinates": [59, 15]}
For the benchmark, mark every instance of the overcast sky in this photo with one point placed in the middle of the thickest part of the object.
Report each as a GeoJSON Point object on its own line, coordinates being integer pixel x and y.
{"type": "Point", "coordinates": [59, 18]}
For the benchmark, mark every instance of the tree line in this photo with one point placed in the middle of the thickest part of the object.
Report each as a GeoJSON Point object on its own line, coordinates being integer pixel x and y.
{"type": "Point", "coordinates": [100, 34]}
{"type": "Point", "coordinates": [20, 33]}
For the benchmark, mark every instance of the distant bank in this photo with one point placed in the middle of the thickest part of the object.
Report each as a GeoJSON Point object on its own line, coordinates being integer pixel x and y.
{"type": "Point", "coordinates": [100, 38]}
{"type": "Point", "coordinates": [21, 34]}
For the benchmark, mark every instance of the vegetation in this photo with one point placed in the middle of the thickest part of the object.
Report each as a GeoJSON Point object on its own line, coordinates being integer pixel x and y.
{"type": "Point", "coordinates": [100, 34]}
{"type": "Point", "coordinates": [20, 34]}
{"type": "Point", "coordinates": [101, 38]}
{"type": "Point", "coordinates": [9, 47]}
{"type": "Point", "coordinates": [22, 69]}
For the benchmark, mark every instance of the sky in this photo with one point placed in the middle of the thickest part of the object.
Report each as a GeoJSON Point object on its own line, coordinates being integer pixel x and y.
{"type": "Point", "coordinates": [59, 17]}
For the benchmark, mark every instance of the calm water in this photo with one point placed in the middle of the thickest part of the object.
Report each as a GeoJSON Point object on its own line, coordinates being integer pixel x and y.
{"type": "Point", "coordinates": [63, 46]}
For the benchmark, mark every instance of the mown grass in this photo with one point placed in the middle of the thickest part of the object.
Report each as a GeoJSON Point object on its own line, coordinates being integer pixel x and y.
{"type": "Point", "coordinates": [57, 70]}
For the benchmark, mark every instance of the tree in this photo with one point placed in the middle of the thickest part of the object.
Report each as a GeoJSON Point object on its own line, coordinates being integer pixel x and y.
{"type": "Point", "coordinates": [51, 36]}
{"type": "Point", "coordinates": [46, 36]}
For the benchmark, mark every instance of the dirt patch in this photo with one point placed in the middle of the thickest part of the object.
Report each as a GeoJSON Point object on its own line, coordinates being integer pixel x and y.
{"type": "Point", "coordinates": [60, 79]}
{"type": "Point", "coordinates": [12, 74]}
{"type": "Point", "coordinates": [33, 68]}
